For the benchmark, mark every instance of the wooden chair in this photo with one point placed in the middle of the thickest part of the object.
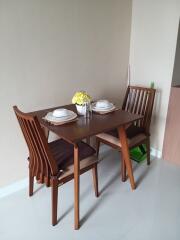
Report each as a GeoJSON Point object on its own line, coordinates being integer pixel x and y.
{"type": "Point", "coordinates": [138, 100]}
{"type": "Point", "coordinates": [52, 163]}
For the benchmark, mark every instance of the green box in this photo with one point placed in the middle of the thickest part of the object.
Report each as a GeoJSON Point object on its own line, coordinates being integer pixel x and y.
{"type": "Point", "coordinates": [138, 154]}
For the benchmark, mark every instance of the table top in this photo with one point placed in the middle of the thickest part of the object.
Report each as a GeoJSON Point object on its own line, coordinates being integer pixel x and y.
{"type": "Point", "coordinates": [86, 127]}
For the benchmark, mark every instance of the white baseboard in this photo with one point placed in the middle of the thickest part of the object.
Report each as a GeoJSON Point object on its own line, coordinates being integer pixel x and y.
{"type": "Point", "coordinates": [19, 185]}
{"type": "Point", "coordinates": [156, 153]}
{"type": "Point", "coordinates": [14, 187]}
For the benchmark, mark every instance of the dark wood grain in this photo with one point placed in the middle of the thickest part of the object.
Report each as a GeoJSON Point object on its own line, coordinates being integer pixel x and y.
{"type": "Point", "coordinates": [46, 161]}
{"type": "Point", "coordinates": [138, 100]}
{"type": "Point", "coordinates": [86, 127]}
{"type": "Point", "coordinates": [76, 187]}
{"type": "Point", "coordinates": [125, 152]}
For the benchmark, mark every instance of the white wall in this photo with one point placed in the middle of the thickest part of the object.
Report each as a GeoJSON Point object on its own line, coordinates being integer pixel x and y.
{"type": "Point", "coordinates": [48, 50]}
{"type": "Point", "coordinates": [153, 45]}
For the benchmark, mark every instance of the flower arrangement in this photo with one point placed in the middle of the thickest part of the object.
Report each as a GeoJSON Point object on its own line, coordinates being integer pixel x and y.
{"type": "Point", "coordinates": [80, 98]}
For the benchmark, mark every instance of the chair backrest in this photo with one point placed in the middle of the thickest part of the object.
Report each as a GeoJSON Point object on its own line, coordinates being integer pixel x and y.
{"type": "Point", "coordinates": [41, 162]}
{"type": "Point", "coordinates": [140, 100]}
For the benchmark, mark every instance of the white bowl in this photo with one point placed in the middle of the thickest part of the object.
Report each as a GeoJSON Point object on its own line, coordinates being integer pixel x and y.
{"type": "Point", "coordinates": [103, 104]}
{"type": "Point", "coordinates": [61, 112]}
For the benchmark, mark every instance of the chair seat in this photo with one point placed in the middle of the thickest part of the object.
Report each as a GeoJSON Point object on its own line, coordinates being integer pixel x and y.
{"type": "Point", "coordinates": [63, 152]}
{"type": "Point", "coordinates": [131, 131]}
{"type": "Point", "coordinates": [135, 136]}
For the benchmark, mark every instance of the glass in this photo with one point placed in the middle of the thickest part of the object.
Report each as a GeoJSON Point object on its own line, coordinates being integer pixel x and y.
{"type": "Point", "coordinates": [88, 109]}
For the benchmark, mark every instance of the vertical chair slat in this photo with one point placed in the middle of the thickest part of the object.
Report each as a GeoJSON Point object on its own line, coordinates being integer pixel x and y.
{"type": "Point", "coordinates": [139, 100]}
{"type": "Point", "coordinates": [32, 154]}
{"type": "Point", "coordinates": [34, 149]}
{"type": "Point", "coordinates": [125, 102]}
{"type": "Point", "coordinates": [142, 107]}
{"type": "Point", "coordinates": [38, 150]}
{"type": "Point", "coordinates": [138, 108]}
{"type": "Point", "coordinates": [136, 105]}
{"type": "Point", "coordinates": [134, 101]}
{"type": "Point", "coordinates": [132, 98]}
{"type": "Point", "coordinates": [145, 108]}
{"type": "Point", "coordinates": [42, 163]}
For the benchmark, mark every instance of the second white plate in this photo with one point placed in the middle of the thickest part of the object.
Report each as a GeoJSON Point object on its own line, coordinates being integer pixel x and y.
{"type": "Point", "coordinates": [49, 117]}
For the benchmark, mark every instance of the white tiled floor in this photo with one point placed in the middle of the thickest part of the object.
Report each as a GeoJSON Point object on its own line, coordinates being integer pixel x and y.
{"type": "Point", "coordinates": [152, 211]}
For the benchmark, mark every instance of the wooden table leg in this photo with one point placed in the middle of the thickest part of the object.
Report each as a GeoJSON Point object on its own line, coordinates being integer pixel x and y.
{"type": "Point", "coordinates": [88, 140]}
{"type": "Point", "coordinates": [76, 187]}
{"type": "Point", "coordinates": [125, 152]}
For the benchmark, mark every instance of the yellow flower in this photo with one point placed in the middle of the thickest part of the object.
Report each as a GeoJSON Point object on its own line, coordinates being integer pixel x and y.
{"type": "Point", "coordinates": [80, 98]}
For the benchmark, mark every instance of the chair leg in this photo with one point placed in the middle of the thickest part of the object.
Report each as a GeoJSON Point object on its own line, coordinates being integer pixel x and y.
{"type": "Point", "coordinates": [31, 184]}
{"type": "Point", "coordinates": [123, 169]}
{"type": "Point", "coordinates": [88, 140]}
{"type": "Point", "coordinates": [97, 146]}
{"type": "Point", "coordinates": [54, 195]}
{"type": "Point", "coordinates": [148, 151]}
{"type": "Point", "coordinates": [142, 149]}
{"type": "Point", "coordinates": [95, 180]}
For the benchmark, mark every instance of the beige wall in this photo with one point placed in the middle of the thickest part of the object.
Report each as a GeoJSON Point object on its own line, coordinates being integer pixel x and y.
{"type": "Point", "coordinates": [153, 44]}
{"type": "Point", "coordinates": [48, 50]}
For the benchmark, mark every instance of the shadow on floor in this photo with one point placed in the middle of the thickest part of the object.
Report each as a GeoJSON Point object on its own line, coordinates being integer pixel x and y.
{"type": "Point", "coordinates": [135, 167]}
{"type": "Point", "coordinates": [92, 209]}
{"type": "Point", "coordinates": [39, 188]}
{"type": "Point", "coordinates": [116, 176]}
{"type": "Point", "coordinates": [144, 174]}
{"type": "Point", "coordinates": [71, 208]}
{"type": "Point", "coordinates": [110, 182]}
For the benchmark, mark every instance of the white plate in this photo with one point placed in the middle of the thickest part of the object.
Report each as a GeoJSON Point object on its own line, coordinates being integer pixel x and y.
{"type": "Point", "coordinates": [49, 117]}
{"type": "Point", "coordinates": [107, 106]}
{"type": "Point", "coordinates": [104, 110]}
{"type": "Point", "coordinates": [102, 104]}
{"type": "Point", "coordinates": [111, 106]}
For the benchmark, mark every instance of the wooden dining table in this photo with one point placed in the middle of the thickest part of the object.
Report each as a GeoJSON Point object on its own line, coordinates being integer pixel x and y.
{"type": "Point", "coordinates": [84, 128]}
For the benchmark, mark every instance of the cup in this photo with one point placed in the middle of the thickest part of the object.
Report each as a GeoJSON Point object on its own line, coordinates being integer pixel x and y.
{"type": "Point", "coordinates": [88, 110]}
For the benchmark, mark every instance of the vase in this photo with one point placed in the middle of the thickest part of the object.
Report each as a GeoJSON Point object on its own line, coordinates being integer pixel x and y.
{"type": "Point", "coordinates": [81, 109]}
